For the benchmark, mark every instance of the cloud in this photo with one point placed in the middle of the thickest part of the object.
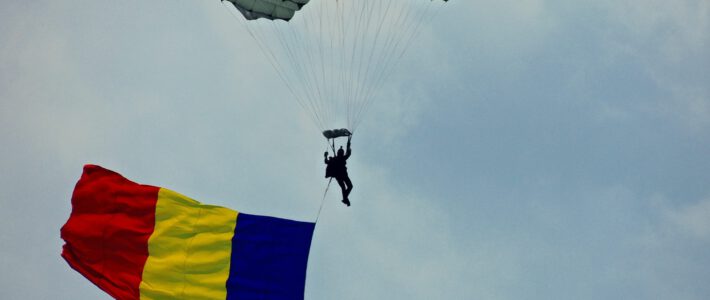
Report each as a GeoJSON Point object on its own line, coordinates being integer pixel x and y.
{"type": "Point", "coordinates": [671, 42]}
{"type": "Point", "coordinates": [670, 255]}
{"type": "Point", "coordinates": [691, 220]}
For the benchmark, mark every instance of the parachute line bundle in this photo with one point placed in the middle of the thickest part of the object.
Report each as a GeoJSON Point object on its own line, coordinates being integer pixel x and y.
{"type": "Point", "coordinates": [144, 242]}
{"type": "Point", "coordinates": [335, 55]}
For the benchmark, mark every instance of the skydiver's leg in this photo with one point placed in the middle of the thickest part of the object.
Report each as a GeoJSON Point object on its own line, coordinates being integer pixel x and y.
{"type": "Point", "coordinates": [349, 185]}
{"type": "Point", "coordinates": [341, 183]}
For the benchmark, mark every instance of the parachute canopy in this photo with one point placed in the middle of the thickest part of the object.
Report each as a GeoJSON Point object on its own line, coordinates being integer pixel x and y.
{"type": "Point", "coordinates": [334, 56]}
{"type": "Point", "coordinates": [144, 242]}
{"type": "Point", "coordinates": [269, 9]}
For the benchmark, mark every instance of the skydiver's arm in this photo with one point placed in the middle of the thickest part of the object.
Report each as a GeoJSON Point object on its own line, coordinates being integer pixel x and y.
{"type": "Point", "coordinates": [325, 157]}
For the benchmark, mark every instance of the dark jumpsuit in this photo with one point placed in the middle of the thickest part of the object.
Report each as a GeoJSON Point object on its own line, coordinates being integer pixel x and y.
{"type": "Point", "coordinates": [336, 168]}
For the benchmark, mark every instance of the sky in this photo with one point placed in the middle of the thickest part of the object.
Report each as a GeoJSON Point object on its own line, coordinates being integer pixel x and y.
{"type": "Point", "coordinates": [528, 149]}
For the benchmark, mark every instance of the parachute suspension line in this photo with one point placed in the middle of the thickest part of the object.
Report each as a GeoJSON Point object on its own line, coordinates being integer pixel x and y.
{"type": "Point", "coordinates": [347, 23]}
{"type": "Point", "coordinates": [261, 39]}
{"type": "Point", "coordinates": [312, 63]}
{"type": "Point", "coordinates": [365, 33]}
{"type": "Point", "coordinates": [346, 56]}
{"type": "Point", "coordinates": [366, 11]}
{"type": "Point", "coordinates": [413, 35]}
{"type": "Point", "coordinates": [378, 43]}
{"type": "Point", "coordinates": [387, 58]}
{"type": "Point", "coordinates": [329, 180]}
{"type": "Point", "coordinates": [418, 24]}
{"type": "Point", "coordinates": [359, 100]}
{"type": "Point", "coordinates": [322, 60]}
{"type": "Point", "coordinates": [408, 37]}
{"type": "Point", "coordinates": [383, 59]}
{"type": "Point", "coordinates": [361, 77]}
{"type": "Point", "coordinates": [326, 61]}
{"type": "Point", "coordinates": [341, 24]}
{"type": "Point", "coordinates": [329, 36]}
{"type": "Point", "coordinates": [323, 201]}
{"type": "Point", "coordinates": [358, 43]}
{"type": "Point", "coordinates": [271, 57]}
{"type": "Point", "coordinates": [397, 30]}
{"type": "Point", "coordinates": [325, 105]}
{"type": "Point", "coordinates": [335, 37]}
{"type": "Point", "coordinates": [332, 147]}
{"type": "Point", "coordinates": [301, 75]}
{"type": "Point", "coordinates": [334, 56]}
{"type": "Point", "coordinates": [292, 55]}
{"type": "Point", "coordinates": [302, 57]}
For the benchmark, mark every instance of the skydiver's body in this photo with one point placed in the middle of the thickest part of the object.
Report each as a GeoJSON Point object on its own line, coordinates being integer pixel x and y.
{"type": "Point", "coordinates": [336, 168]}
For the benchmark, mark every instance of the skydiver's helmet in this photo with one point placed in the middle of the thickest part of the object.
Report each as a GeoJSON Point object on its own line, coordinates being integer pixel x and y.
{"type": "Point", "coordinates": [341, 152]}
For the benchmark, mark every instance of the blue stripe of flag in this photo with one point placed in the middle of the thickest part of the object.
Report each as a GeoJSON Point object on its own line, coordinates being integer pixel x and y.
{"type": "Point", "coordinates": [269, 258]}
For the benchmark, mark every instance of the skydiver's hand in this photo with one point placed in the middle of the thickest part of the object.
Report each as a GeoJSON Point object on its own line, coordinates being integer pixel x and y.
{"type": "Point", "coordinates": [325, 154]}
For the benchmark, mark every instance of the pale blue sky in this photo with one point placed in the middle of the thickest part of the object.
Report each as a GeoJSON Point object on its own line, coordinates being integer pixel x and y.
{"type": "Point", "coordinates": [523, 149]}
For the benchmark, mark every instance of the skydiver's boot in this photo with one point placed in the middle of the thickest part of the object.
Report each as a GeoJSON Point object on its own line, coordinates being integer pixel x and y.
{"type": "Point", "coordinates": [347, 202]}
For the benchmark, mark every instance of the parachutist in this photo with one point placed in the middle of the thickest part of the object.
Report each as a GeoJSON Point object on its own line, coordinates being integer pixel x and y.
{"type": "Point", "coordinates": [336, 168]}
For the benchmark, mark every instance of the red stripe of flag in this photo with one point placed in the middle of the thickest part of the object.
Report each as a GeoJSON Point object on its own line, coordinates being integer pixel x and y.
{"type": "Point", "coordinates": [107, 233]}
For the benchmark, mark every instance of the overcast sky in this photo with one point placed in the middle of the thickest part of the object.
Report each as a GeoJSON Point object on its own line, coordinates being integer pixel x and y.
{"type": "Point", "coordinates": [523, 149]}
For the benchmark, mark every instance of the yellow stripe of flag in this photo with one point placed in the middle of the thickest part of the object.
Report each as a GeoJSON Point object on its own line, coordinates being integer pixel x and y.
{"type": "Point", "coordinates": [189, 250]}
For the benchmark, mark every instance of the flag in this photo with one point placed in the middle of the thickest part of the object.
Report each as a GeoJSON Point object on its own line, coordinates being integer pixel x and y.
{"type": "Point", "coordinates": [138, 241]}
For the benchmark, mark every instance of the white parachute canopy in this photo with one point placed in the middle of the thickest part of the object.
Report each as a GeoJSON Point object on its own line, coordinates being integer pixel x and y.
{"type": "Point", "coordinates": [333, 55]}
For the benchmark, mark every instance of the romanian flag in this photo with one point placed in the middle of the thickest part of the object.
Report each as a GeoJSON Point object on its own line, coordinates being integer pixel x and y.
{"type": "Point", "coordinates": [138, 241]}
